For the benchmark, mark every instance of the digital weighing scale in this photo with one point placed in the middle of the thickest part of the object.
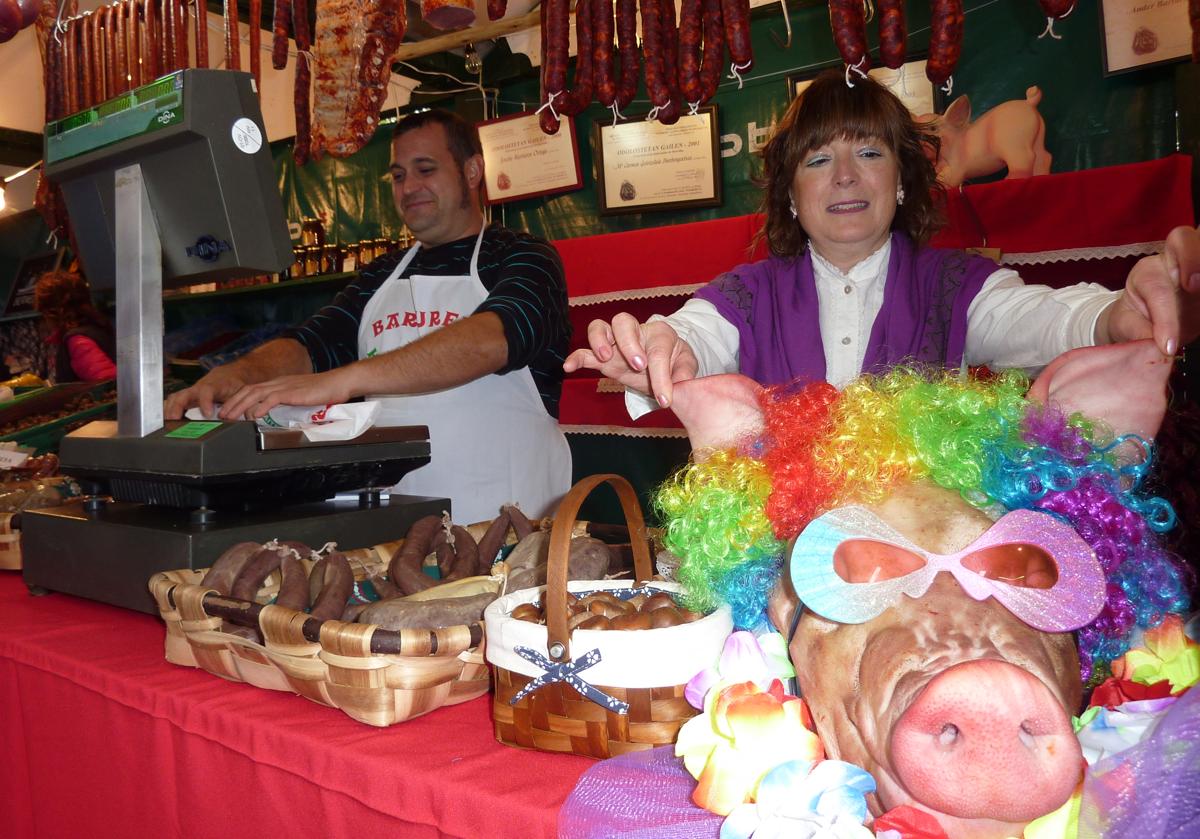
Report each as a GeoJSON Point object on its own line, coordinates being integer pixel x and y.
{"type": "Point", "coordinates": [172, 184]}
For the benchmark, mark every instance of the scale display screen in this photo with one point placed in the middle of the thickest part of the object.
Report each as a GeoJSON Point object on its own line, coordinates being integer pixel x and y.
{"type": "Point", "coordinates": [149, 108]}
{"type": "Point", "coordinates": [198, 138]}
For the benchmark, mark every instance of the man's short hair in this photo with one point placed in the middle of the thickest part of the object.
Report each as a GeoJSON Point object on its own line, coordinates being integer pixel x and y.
{"type": "Point", "coordinates": [461, 136]}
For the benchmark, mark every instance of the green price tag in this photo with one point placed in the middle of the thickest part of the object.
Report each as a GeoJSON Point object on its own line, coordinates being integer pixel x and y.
{"type": "Point", "coordinates": [192, 430]}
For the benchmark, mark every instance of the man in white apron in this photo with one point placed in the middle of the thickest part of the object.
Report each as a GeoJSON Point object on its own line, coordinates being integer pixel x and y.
{"type": "Point", "coordinates": [464, 333]}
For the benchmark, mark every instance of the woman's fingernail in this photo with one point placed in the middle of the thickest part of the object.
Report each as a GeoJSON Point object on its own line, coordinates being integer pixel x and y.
{"type": "Point", "coordinates": [1170, 346]}
{"type": "Point", "coordinates": [663, 400]}
{"type": "Point", "coordinates": [638, 362]}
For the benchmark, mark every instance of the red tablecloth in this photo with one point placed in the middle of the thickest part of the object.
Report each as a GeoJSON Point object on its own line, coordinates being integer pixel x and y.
{"type": "Point", "coordinates": [100, 737]}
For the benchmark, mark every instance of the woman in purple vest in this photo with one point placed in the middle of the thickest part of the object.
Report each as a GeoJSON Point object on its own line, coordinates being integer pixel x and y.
{"type": "Point", "coordinates": [850, 286]}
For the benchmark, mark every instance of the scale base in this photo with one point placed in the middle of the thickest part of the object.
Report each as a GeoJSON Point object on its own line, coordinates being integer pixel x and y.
{"type": "Point", "coordinates": [108, 551]}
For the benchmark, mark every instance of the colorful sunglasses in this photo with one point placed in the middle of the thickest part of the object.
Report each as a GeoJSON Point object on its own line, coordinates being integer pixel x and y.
{"type": "Point", "coordinates": [849, 566]}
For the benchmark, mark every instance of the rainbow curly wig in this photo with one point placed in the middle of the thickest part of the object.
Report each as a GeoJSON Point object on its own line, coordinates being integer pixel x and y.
{"type": "Point", "coordinates": [729, 517]}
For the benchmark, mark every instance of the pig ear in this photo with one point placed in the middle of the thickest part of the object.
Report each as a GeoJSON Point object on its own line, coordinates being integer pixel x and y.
{"type": "Point", "coordinates": [718, 411]}
{"type": "Point", "coordinates": [1124, 385]}
{"type": "Point", "coordinates": [959, 112]}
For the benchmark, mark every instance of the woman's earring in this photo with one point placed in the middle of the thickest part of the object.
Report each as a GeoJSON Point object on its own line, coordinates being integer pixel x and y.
{"type": "Point", "coordinates": [793, 209]}
{"type": "Point", "coordinates": [899, 195]}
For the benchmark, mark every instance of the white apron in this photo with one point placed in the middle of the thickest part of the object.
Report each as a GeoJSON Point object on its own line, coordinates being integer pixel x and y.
{"type": "Point", "coordinates": [491, 440]}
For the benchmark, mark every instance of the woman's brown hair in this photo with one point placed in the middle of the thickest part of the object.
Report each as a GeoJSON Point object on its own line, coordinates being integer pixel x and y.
{"type": "Point", "coordinates": [64, 300]}
{"type": "Point", "coordinates": [827, 110]}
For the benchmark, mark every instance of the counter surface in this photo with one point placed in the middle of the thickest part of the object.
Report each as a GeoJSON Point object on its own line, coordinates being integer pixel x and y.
{"type": "Point", "coordinates": [100, 736]}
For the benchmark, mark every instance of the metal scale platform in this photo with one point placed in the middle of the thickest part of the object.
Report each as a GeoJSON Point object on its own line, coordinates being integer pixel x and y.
{"type": "Point", "coordinates": [173, 184]}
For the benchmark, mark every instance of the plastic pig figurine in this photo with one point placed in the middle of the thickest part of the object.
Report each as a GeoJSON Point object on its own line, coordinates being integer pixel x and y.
{"type": "Point", "coordinates": [1012, 135]}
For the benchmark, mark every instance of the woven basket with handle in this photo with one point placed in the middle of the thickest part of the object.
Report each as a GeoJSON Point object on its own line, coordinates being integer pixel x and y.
{"type": "Point", "coordinates": [589, 692]}
{"type": "Point", "coordinates": [375, 675]}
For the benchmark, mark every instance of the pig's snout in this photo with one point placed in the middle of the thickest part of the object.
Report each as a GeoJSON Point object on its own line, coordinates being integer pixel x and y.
{"type": "Point", "coordinates": [986, 739]}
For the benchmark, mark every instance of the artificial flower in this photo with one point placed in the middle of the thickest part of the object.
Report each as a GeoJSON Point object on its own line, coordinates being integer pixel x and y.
{"type": "Point", "coordinates": [801, 799]}
{"type": "Point", "coordinates": [1104, 732]}
{"type": "Point", "coordinates": [1166, 653]}
{"type": "Point", "coordinates": [742, 735]}
{"type": "Point", "coordinates": [906, 822]}
{"type": "Point", "coordinates": [1113, 692]}
{"type": "Point", "coordinates": [1063, 823]}
{"type": "Point", "coordinates": [746, 657]}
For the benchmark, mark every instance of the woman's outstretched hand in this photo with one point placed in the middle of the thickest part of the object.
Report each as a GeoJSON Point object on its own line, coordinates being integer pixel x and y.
{"type": "Point", "coordinates": [648, 357]}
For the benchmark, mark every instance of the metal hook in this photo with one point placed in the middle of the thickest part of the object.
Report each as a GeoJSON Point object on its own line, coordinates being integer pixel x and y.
{"type": "Point", "coordinates": [868, 11]}
{"type": "Point", "coordinates": [787, 21]}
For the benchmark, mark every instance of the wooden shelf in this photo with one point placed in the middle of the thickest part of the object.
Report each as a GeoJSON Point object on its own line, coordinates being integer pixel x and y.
{"type": "Point", "coordinates": [266, 288]}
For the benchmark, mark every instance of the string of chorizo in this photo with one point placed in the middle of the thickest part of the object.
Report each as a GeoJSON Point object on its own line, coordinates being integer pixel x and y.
{"type": "Point", "coordinates": [150, 55]}
{"type": "Point", "coordinates": [736, 14]}
{"type": "Point", "coordinates": [847, 19]}
{"type": "Point", "coordinates": [893, 34]}
{"type": "Point", "coordinates": [627, 45]}
{"type": "Point", "coordinates": [256, 44]}
{"type": "Point", "coordinates": [302, 92]}
{"type": "Point", "coordinates": [602, 52]}
{"type": "Point", "coordinates": [233, 52]}
{"type": "Point", "coordinates": [279, 29]}
{"type": "Point", "coordinates": [700, 72]}
{"type": "Point", "coordinates": [652, 56]}
{"type": "Point", "coordinates": [555, 19]}
{"type": "Point", "coordinates": [133, 42]}
{"type": "Point", "coordinates": [83, 34]}
{"type": "Point", "coordinates": [670, 113]}
{"type": "Point", "coordinates": [945, 41]}
{"type": "Point", "coordinates": [182, 59]}
{"type": "Point", "coordinates": [201, 35]}
{"type": "Point", "coordinates": [69, 75]}
{"type": "Point", "coordinates": [578, 97]}
{"type": "Point", "coordinates": [121, 58]}
{"type": "Point", "coordinates": [166, 44]}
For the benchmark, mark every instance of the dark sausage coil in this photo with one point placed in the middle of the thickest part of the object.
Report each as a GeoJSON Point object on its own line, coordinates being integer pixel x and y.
{"type": "Point", "coordinates": [150, 55]}
{"type": "Point", "coordinates": [627, 47]}
{"type": "Point", "coordinates": [945, 40]}
{"type": "Point", "coordinates": [670, 114]}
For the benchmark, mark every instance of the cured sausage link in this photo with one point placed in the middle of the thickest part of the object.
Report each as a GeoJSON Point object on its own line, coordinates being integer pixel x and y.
{"type": "Point", "coordinates": [627, 83]}
{"type": "Point", "coordinates": [945, 40]}
{"type": "Point", "coordinates": [256, 44]}
{"type": "Point", "coordinates": [279, 46]}
{"type": "Point", "coordinates": [848, 21]}
{"type": "Point", "coordinates": [201, 35]}
{"type": "Point", "coordinates": [893, 34]}
{"type": "Point", "coordinates": [233, 52]}
{"type": "Point", "coordinates": [580, 96]}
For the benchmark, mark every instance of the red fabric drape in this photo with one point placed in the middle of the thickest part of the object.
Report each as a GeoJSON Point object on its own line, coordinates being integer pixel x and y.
{"type": "Point", "coordinates": [101, 737]}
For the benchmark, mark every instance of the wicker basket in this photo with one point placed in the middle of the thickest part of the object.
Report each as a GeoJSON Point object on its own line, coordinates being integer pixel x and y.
{"type": "Point", "coordinates": [634, 680]}
{"type": "Point", "coordinates": [421, 671]}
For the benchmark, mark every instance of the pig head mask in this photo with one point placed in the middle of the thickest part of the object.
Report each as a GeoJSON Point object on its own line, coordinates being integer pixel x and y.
{"type": "Point", "coordinates": [958, 558]}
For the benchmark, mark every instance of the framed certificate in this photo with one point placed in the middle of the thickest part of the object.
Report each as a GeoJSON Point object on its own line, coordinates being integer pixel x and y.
{"type": "Point", "coordinates": [908, 82]}
{"type": "Point", "coordinates": [521, 161]}
{"type": "Point", "coordinates": [643, 165]}
{"type": "Point", "coordinates": [1137, 33]}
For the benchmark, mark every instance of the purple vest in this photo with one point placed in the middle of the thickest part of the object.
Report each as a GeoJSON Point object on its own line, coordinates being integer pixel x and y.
{"type": "Point", "coordinates": [774, 305]}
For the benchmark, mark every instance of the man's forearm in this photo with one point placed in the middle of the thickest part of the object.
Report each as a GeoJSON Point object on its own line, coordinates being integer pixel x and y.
{"type": "Point", "coordinates": [453, 355]}
{"type": "Point", "coordinates": [275, 358]}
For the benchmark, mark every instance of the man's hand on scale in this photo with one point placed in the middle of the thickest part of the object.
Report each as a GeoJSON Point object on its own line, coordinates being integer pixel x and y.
{"type": "Point", "coordinates": [213, 388]}
{"type": "Point", "coordinates": [648, 357]}
{"type": "Point", "coordinates": [254, 401]}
